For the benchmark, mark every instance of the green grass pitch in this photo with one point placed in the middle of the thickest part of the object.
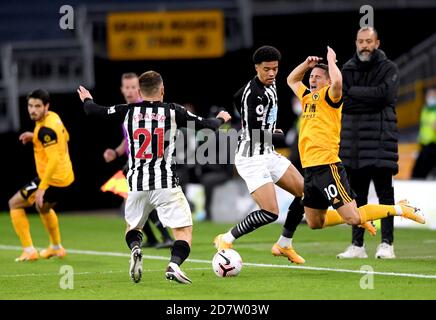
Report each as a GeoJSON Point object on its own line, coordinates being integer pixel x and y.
{"type": "Point", "coordinates": [100, 260]}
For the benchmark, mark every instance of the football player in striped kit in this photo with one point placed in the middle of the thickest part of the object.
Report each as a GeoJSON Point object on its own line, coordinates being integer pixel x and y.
{"type": "Point", "coordinates": [256, 161]}
{"type": "Point", "coordinates": [151, 127]}
{"type": "Point", "coordinates": [130, 90]}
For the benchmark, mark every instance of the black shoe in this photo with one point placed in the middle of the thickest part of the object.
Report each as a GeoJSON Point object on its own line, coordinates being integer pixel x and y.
{"type": "Point", "coordinates": [168, 243]}
{"type": "Point", "coordinates": [149, 244]}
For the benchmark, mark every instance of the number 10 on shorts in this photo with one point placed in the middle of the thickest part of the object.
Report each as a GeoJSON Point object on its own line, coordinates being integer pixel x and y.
{"type": "Point", "coordinates": [331, 191]}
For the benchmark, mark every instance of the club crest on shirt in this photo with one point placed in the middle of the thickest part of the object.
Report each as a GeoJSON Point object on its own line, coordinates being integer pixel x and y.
{"type": "Point", "coordinates": [49, 140]}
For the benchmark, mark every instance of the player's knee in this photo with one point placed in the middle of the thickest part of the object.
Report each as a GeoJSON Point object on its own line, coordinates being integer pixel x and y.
{"type": "Point", "coordinates": [13, 203]}
{"type": "Point", "coordinates": [273, 210]}
{"type": "Point", "coordinates": [299, 192]}
{"type": "Point", "coordinates": [314, 223]}
{"type": "Point", "coordinates": [273, 216]}
{"type": "Point", "coordinates": [300, 189]}
{"type": "Point", "coordinates": [183, 233]}
{"type": "Point", "coordinates": [315, 226]}
{"type": "Point", "coordinates": [42, 210]}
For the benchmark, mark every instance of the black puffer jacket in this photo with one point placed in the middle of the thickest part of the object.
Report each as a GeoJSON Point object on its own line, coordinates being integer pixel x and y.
{"type": "Point", "coordinates": [369, 135]}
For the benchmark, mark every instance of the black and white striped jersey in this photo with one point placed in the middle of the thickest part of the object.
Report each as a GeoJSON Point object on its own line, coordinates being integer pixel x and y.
{"type": "Point", "coordinates": [257, 104]}
{"type": "Point", "coordinates": [151, 129]}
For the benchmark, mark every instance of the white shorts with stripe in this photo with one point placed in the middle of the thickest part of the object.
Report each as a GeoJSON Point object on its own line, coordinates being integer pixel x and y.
{"type": "Point", "coordinates": [261, 169]}
{"type": "Point", "coordinates": [171, 205]}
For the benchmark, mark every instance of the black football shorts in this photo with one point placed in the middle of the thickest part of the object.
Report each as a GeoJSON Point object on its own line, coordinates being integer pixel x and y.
{"type": "Point", "coordinates": [51, 195]}
{"type": "Point", "coordinates": [326, 185]}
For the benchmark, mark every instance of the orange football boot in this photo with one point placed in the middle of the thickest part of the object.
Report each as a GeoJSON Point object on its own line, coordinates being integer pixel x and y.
{"type": "Point", "coordinates": [50, 252]}
{"type": "Point", "coordinates": [28, 256]}
{"type": "Point", "coordinates": [288, 252]}
{"type": "Point", "coordinates": [220, 244]}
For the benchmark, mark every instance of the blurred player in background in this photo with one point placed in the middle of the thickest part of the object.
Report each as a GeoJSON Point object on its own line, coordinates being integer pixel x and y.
{"type": "Point", "coordinates": [151, 127]}
{"type": "Point", "coordinates": [426, 161]}
{"type": "Point", "coordinates": [130, 90]}
{"type": "Point", "coordinates": [55, 176]}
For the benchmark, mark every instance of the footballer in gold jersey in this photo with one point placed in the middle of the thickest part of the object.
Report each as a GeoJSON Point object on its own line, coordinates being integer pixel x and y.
{"type": "Point", "coordinates": [325, 179]}
{"type": "Point", "coordinates": [55, 176]}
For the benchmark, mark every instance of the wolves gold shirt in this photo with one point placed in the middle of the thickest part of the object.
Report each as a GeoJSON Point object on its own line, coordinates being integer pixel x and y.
{"type": "Point", "coordinates": [50, 145]}
{"type": "Point", "coordinates": [320, 127]}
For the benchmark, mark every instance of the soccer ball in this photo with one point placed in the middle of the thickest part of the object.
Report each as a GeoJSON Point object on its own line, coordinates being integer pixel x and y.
{"type": "Point", "coordinates": [227, 263]}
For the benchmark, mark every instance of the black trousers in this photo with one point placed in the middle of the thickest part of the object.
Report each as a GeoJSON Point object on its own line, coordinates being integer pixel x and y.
{"type": "Point", "coordinates": [360, 180]}
{"type": "Point", "coordinates": [426, 161]}
{"type": "Point", "coordinates": [210, 181]}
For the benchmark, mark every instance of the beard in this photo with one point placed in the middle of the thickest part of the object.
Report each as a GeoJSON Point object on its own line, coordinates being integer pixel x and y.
{"type": "Point", "coordinates": [364, 56]}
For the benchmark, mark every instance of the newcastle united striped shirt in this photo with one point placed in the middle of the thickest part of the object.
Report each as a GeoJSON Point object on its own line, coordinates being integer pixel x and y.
{"type": "Point", "coordinates": [258, 107]}
{"type": "Point", "coordinates": [152, 128]}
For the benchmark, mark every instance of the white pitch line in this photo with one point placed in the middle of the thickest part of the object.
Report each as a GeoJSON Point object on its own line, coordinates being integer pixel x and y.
{"type": "Point", "coordinates": [259, 265]}
{"type": "Point", "coordinates": [55, 274]}
{"type": "Point", "coordinates": [83, 273]}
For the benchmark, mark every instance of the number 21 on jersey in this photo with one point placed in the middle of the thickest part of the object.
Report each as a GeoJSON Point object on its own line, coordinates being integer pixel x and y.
{"type": "Point", "coordinates": [141, 154]}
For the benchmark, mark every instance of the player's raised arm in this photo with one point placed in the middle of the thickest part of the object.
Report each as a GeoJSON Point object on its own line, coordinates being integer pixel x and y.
{"type": "Point", "coordinates": [296, 76]}
{"type": "Point", "coordinates": [183, 117]}
{"type": "Point", "coordinates": [335, 91]}
{"type": "Point", "coordinates": [91, 107]}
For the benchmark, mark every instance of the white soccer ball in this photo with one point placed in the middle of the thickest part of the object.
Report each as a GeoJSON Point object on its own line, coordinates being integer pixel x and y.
{"type": "Point", "coordinates": [227, 263]}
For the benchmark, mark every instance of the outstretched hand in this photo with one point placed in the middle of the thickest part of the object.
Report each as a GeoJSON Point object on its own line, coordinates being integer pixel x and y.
{"type": "Point", "coordinates": [26, 137]}
{"type": "Point", "coordinates": [83, 93]}
{"type": "Point", "coordinates": [224, 115]}
{"type": "Point", "coordinates": [109, 155]}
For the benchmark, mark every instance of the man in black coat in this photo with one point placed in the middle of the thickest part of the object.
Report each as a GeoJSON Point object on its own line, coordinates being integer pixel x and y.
{"type": "Point", "coordinates": [369, 136]}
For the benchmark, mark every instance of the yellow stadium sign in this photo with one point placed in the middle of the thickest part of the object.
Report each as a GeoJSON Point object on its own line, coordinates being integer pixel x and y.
{"type": "Point", "coordinates": [165, 35]}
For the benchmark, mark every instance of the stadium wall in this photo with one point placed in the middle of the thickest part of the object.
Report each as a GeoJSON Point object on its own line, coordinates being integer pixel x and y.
{"type": "Point", "coordinates": [202, 82]}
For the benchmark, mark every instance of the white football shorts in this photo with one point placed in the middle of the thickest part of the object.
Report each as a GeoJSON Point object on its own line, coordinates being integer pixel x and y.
{"type": "Point", "coordinates": [261, 169]}
{"type": "Point", "coordinates": [171, 205]}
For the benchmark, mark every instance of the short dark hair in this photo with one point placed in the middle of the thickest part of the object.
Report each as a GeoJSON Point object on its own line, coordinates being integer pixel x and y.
{"type": "Point", "coordinates": [266, 54]}
{"type": "Point", "coordinates": [128, 75]}
{"type": "Point", "coordinates": [324, 67]}
{"type": "Point", "coordinates": [41, 94]}
{"type": "Point", "coordinates": [149, 82]}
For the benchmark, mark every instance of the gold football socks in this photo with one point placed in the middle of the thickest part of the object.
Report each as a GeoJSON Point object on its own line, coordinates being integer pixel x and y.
{"type": "Point", "coordinates": [51, 223]}
{"type": "Point", "coordinates": [21, 226]}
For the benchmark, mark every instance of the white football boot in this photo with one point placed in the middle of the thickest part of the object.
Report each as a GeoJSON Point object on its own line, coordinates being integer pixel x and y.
{"type": "Point", "coordinates": [385, 251]}
{"type": "Point", "coordinates": [353, 252]}
{"type": "Point", "coordinates": [136, 264]}
{"type": "Point", "coordinates": [174, 272]}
